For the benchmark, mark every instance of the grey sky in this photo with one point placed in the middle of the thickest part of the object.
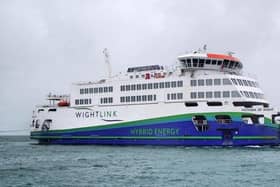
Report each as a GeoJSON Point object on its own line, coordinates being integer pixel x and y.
{"type": "Point", "coordinates": [47, 45]}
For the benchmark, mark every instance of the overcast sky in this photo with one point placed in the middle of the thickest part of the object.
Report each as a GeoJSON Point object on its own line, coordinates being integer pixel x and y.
{"type": "Point", "coordinates": [47, 45]}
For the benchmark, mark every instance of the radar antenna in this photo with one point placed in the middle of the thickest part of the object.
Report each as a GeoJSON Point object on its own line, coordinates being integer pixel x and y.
{"type": "Point", "coordinates": [230, 53]}
{"type": "Point", "coordinates": [205, 48]}
{"type": "Point", "coordinates": [107, 61]}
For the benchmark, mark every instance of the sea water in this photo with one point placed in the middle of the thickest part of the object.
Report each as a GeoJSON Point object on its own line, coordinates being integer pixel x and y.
{"type": "Point", "coordinates": [24, 163]}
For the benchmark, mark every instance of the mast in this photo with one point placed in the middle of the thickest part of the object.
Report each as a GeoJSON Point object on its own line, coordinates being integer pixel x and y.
{"type": "Point", "coordinates": [107, 61]}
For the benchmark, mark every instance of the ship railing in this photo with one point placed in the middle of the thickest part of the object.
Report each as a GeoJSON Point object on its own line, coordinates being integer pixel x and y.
{"type": "Point", "coordinates": [200, 122]}
{"type": "Point", "coordinates": [224, 121]}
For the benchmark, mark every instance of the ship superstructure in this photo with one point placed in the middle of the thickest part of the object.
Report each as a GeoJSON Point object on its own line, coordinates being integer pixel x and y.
{"type": "Point", "coordinates": [204, 100]}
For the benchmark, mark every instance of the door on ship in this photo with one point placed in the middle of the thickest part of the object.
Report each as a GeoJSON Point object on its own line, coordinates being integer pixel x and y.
{"type": "Point", "coordinates": [227, 137]}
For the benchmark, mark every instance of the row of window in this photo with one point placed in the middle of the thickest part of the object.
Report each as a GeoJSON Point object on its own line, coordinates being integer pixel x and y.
{"type": "Point", "coordinates": [106, 100]}
{"type": "Point", "coordinates": [201, 62]}
{"type": "Point", "coordinates": [242, 82]}
{"type": "Point", "coordinates": [215, 94]}
{"type": "Point", "coordinates": [175, 96]}
{"type": "Point", "coordinates": [201, 123]}
{"type": "Point", "coordinates": [138, 98]}
{"type": "Point", "coordinates": [252, 94]}
{"type": "Point", "coordinates": [156, 85]}
{"type": "Point", "coordinates": [82, 101]}
{"type": "Point", "coordinates": [210, 82]}
{"type": "Point", "coordinates": [96, 90]}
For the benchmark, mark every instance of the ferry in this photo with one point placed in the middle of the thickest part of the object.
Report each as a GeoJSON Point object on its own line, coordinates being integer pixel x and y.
{"type": "Point", "coordinates": [205, 100]}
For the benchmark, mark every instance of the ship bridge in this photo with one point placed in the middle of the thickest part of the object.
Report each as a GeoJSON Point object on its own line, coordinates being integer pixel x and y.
{"type": "Point", "coordinates": [211, 61]}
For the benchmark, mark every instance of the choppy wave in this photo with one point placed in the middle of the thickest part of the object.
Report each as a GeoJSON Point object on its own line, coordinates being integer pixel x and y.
{"type": "Point", "coordinates": [23, 163]}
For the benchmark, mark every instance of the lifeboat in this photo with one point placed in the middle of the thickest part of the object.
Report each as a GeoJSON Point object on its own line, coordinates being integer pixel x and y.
{"type": "Point", "coordinates": [63, 103]}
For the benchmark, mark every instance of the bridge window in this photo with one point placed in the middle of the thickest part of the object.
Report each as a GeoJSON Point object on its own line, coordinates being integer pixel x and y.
{"type": "Point", "coordinates": [208, 61]}
{"type": "Point", "coordinates": [223, 119]}
{"type": "Point", "coordinates": [195, 61]}
{"type": "Point", "coordinates": [220, 63]}
{"type": "Point", "coordinates": [214, 62]}
{"type": "Point", "coordinates": [189, 62]}
{"type": "Point", "coordinates": [231, 64]}
{"type": "Point", "coordinates": [201, 62]}
{"type": "Point", "coordinates": [200, 123]}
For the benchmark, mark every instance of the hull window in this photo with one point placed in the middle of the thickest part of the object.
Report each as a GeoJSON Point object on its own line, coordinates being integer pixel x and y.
{"type": "Point", "coordinates": [200, 123]}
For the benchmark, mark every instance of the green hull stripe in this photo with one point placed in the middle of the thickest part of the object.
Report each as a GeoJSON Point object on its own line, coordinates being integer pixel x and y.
{"type": "Point", "coordinates": [182, 117]}
{"type": "Point", "coordinates": [159, 137]}
{"type": "Point", "coordinates": [132, 137]}
{"type": "Point", "coordinates": [255, 137]}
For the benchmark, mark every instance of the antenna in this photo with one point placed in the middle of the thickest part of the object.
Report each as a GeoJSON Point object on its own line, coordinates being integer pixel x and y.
{"type": "Point", "coordinates": [230, 53]}
{"type": "Point", "coordinates": [204, 47]}
{"type": "Point", "coordinates": [107, 61]}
